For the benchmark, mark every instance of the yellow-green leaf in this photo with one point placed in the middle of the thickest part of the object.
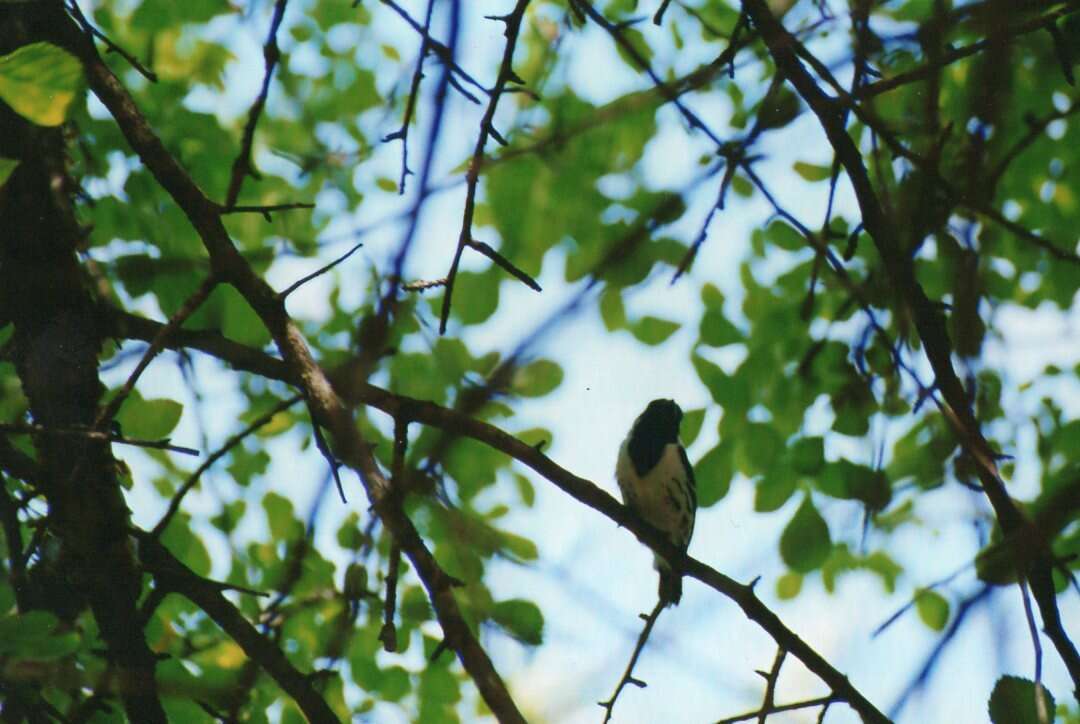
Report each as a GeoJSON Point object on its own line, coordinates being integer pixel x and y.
{"type": "Point", "coordinates": [40, 81]}
{"type": "Point", "coordinates": [7, 166]}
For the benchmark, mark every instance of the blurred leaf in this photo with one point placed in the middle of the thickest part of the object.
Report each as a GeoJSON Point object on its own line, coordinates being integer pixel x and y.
{"type": "Point", "coordinates": [653, 330]}
{"type": "Point", "coordinates": [521, 619]}
{"type": "Point", "coordinates": [788, 586]}
{"type": "Point", "coordinates": [148, 419]}
{"type": "Point", "coordinates": [713, 473]}
{"type": "Point", "coordinates": [1020, 701]}
{"type": "Point", "coordinates": [691, 426]}
{"type": "Point", "coordinates": [39, 81]}
{"type": "Point", "coordinates": [805, 542]}
{"type": "Point", "coordinates": [933, 609]}
{"type": "Point", "coordinates": [807, 455]}
{"type": "Point", "coordinates": [537, 379]}
{"type": "Point", "coordinates": [810, 172]}
{"type": "Point", "coordinates": [7, 166]}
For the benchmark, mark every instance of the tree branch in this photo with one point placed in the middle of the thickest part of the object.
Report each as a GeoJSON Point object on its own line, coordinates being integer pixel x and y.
{"type": "Point", "coordinates": [929, 321]}
{"type": "Point", "coordinates": [628, 675]}
{"type": "Point", "coordinates": [174, 576]}
{"type": "Point", "coordinates": [327, 408]}
{"type": "Point", "coordinates": [242, 166]}
{"type": "Point", "coordinates": [472, 176]}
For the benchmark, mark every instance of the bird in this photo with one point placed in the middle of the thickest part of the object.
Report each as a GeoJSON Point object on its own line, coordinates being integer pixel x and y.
{"type": "Point", "coordinates": [657, 482]}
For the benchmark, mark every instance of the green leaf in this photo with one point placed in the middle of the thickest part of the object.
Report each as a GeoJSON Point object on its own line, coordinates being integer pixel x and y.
{"type": "Point", "coordinates": [773, 490]}
{"type": "Point", "coordinates": [386, 184]}
{"type": "Point", "coordinates": [476, 296]}
{"type": "Point", "coordinates": [148, 419]}
{"type": "Point", "coordinates": [521, 619]}
{"type": "Point", "coordinates": [805, 542]}
{"type": "Point", "coordinates": [785, 236]}
{"type": "Point", "coordinates": [933, 609]}
{"type": "Point", "coordinates": [788, 586]}
{"type": "Point", "coordinates": [612, 311]}
{"type": "Point", "coordinates": [727, 391]}
{"type": "Point", "coordinates": [186, 546]}
{"type": "Point", "coordinates": [39, 81]}
{"type": "Point", "coordinates": [279, 514]}
{"type": "Point", "coordinates": [811, 172]}
{"type": "Point", "coordinates": [7, 166]}
{"type": "Point", "coordinates": [653, 330]}
{"type": "Point", "coordinates": [848, 481]}
{"type": "Point", "coordinates": [691, 426]}
{"type": "Point", "coordinates": [537, 379]}
{"type": "Point", "coordinates": [1020, 701]}
{"type": "Point", "coordinates": [807, 455]}
{"type": "Point", "coordinates": [713, 474]}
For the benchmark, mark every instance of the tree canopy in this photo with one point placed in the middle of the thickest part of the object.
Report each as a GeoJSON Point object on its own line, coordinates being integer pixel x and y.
{"type": "Point", "coordinates": [302, 303]}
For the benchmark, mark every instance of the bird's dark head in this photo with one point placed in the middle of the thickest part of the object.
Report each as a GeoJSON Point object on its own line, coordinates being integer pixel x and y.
{"type": "Point", "coordinates": [661, 419]}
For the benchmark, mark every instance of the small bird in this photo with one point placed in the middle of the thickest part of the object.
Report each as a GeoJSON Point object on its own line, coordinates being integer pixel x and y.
{"type": "Point", "coordinates": [657, 483]}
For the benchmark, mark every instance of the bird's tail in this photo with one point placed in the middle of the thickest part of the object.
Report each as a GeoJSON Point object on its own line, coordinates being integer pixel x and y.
{"type": "Point", "coordinates": [670, 585]}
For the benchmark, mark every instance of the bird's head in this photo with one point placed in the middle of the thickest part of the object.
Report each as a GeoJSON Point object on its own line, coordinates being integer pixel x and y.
{"type": "Point", "coordinates": [661, 418]}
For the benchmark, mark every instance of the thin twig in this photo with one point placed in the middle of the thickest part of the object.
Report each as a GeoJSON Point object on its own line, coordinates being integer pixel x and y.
{"type": "Point", "coordinates": [631, 50]}
{"type": "Point", "coordinates": [265, 209]}
{"type": "Point", "coordinates": [74, 10]}
{"type": "Point", "coordinates": [822, 701]}
{"type": "Point", "coordinates": [443, 52]}
{"type": "Point", "coordinates": [91, 434]}
{"type": "Point", "coordinates": [189, 307]}
{"type": "Point", "coordinates": [319, 272]}
{"type": "Point", "coordinates": [952, 55]}
{"type": "Point", "coordinates": [402, 134]}
{"type": "Point", "coordinates": [472, 176]}
{"type": "Point", "coordinates": [388, 634]}
{"type": "Point", "coordinates": [242, 166]}
{"type": "Point", "coordinates": [193, 479]}
{"type": "Point", "coordinates": [768, 702]}
{"type": "Point", "coordinates": [628, 675]}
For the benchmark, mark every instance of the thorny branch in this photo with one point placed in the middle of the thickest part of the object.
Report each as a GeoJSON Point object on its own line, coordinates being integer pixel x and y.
{"type": "Point", "coordinates": [628, 674]}
{"type": "Point", "coordinates": [402, 134]}
{"type": "Point", "coordinates": [487, 128]}
{"type": "Point", "coordinates": [242, 166]}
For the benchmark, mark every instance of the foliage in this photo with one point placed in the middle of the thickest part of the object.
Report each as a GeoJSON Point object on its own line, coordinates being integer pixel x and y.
{"type": "Point", "coordinates": [824, 365]}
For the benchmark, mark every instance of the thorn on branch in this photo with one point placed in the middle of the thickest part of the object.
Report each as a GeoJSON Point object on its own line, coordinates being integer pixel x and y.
{"type": "Point", "coordinates": [628, 675]}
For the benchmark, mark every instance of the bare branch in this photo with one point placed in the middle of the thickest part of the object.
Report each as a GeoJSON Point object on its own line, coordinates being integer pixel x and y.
{"type": "Point", "coordinates": [628, 675]}
{"type": "Point", "coordinates": [74, 10]}
{"type": "Point", "coordinates": [91, 434]}
{"type": "Point", "coordinates": [472, 176]}
{"type": "Point", "coordinates": [402, 134]}
{"type": "Point", "coordinates": [760, 714]}
{"type": "Point", "coordinates": [327, 408]}
{"type": "Point", "coordinates": [319, 272]}
{"type": "Point", "coordinates": [242, 166]}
